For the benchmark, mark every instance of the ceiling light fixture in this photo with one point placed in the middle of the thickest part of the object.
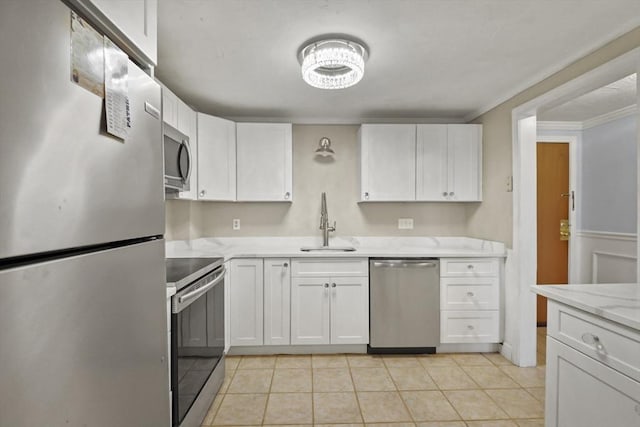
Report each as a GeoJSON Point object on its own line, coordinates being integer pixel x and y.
{"type": "Point", "coordinates": [333, 63]}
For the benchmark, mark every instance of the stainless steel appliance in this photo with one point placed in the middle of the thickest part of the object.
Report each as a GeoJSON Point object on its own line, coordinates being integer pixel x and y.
{"type": "Point", "coordinates": [177, 159]}
{"type": "Point", "coordinates": [404, 305]}
{"type": "Point", "coordinates": [83, 337]}
{"type": "Point", "coordinates": [197, 336]}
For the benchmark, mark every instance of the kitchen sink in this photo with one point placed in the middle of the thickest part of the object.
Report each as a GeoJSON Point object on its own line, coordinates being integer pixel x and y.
{"type": "Point", "coordinates": [328, 249]}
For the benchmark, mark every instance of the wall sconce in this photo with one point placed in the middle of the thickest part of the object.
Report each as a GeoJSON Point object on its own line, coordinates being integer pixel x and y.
{"type": "Point", "coordinates": [324, 148]}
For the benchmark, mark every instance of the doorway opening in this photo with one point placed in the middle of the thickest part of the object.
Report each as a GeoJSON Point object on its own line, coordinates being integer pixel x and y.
{"type": "Point", "coordinates": [524, 260]}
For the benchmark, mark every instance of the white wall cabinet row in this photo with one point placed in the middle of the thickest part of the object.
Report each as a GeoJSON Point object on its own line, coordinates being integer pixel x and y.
{"type": "Point", "coordinates": [319, 306]}
{"type": "Point", "coordinates": [469, 300]}
{"type": "Point", "coordinates": [430, 162]}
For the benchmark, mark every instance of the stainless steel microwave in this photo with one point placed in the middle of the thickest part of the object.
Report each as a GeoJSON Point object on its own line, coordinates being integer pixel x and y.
{"type": "Point", "coordinates": [177, 159]}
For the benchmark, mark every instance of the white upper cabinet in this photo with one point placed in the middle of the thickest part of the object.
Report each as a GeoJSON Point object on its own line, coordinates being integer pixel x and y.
{"type": "Point", "coordinates": [216, 158]}
{"type": "Point", "coordinates": [449, 163]}
{"type": "Point", "coordinates": [133, 24]}
{"type": "Point", "coordinates": [169, 107]}
{"type": "Point", "coordinates": [264, 162]}
{"type": "Point", "coordinates": [387, 162]}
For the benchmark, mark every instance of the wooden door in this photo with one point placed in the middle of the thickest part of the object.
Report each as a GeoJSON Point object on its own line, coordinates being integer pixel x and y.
{"type": "Point", "coordinates": [553, 206]}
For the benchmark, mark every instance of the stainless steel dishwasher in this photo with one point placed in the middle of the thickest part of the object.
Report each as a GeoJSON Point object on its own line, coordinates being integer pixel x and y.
{"type": "Point", "coordinates": [404, 305]}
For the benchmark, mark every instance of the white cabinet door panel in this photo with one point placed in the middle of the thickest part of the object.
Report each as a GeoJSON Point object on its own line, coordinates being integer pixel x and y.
{"type": "Point", "coordinates": [187, 124]}
{"type": "Point", "coordinates": [277, 301]}
{"type": "Point", "coordinates": [169, 108]}
{"type": "Point", "coordinates": [264, 162]}
{"type": "Point", "coordinates": [349, 310]}
{"type": "Point", "coordinates": [137, 20]}
{"type": "Point", "coordinates": [310, 311]}
{"type": "Point", "coordinates": [583, 392]}
{"type": "Point", "coordinates": [247, 295]}
{"type": "Point", "coordinates": [464, 163]}
{"type": "Point", "coordinates": [431, 162]}
{"type": "Point", "coordinates": [387, 162]}
{"type": "Point", "coordinates": [216, 158]}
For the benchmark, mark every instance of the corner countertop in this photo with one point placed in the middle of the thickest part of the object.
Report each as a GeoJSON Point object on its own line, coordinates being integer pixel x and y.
{"type": "Point", "coordinates": [619, 302]}
{"type": "Point", "coordinates": [289, 247]}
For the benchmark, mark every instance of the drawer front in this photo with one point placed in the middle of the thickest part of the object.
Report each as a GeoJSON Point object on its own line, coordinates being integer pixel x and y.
{"type": "Point", "coordinates": [460, 293]}
{"type": "Point", "coordinates": [469, 267]}
{"type": "Point", "coordinates": [469, 326]}
{"type": "Point", "coordinates": [323, 267]}
{"type": "Point", "coordinates": [612, 344]}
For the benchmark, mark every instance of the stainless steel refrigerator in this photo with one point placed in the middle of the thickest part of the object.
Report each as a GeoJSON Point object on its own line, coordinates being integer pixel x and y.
{"type": "Point", "coordinates": [83, 338]}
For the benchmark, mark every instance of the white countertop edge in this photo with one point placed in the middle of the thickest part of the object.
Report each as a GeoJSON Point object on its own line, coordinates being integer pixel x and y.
{"type": "Point", "coordinates": [618, 302]}
{"type": "Point", "coordinates": [366, 247]}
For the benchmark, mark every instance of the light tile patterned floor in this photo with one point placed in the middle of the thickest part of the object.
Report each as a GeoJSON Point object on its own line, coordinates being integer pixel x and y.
{"type": "Point", "coordinates": [451, 390]}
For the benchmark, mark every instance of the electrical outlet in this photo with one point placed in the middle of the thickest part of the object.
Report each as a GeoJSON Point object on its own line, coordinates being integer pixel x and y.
{"type": "Point", "coordinates": [405, 223]}
{"type": "Point", "coordinates": [236, 224]}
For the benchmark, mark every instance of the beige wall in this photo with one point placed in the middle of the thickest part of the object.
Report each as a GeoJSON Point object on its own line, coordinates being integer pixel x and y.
{"type": "Point", "coordinates": [311, 176]}
{"type": "Point", "coordinates": [493, 219]}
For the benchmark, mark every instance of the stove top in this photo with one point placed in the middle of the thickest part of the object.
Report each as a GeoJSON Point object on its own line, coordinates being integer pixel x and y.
{"type": "Point", "coordinates": [182, 271]}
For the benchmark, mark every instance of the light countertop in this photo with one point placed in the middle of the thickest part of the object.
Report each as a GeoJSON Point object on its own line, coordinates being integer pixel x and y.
{"type": "Point", "coordinates": [618, 302]}
{"type": "Point", "coordinates": [289, 247]}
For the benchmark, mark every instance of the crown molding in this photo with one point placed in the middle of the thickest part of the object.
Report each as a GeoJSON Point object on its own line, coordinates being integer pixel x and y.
{"type": "Point", "coordinates": [548, 125]}
{"type": "Point", "coordinates": [609, 117]}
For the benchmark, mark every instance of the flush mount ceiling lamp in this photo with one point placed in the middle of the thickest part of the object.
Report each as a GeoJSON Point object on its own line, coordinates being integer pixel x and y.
{"type": "Point", "coordinates": [325, 147]}
{"type": "Point", "coordinates": [333, 63]}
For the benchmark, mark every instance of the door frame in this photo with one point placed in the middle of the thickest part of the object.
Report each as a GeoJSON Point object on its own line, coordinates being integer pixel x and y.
{"type": "Point", "coordinates": [522, 262]}
{"type": "Point", "coordinates": [574, 165]}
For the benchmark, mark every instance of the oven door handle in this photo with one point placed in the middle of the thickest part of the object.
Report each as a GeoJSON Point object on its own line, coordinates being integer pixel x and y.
{"type": "Point", "coordinates": [202, 290]}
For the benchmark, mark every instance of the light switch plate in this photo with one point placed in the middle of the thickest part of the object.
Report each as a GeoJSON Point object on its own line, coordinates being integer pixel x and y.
{"type": "Point", "coordinates": [236, 224]}
{"type": "Point", "coordinates": [405, 223]}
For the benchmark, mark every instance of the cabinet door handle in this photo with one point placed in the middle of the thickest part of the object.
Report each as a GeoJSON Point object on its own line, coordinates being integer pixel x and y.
{"type": "Point", "coordinates": [592, 339]}
{"type": "Point", "coordinates": [326, 285]}
{"type": "Point", "coordinates": [469, 294]}
{"type": "Point", "coordinates": [366, 195]}
{"type": "Point", "coordinates": [202, 193]}
{"type": "Point", "coordinates": [287, 195]}
{"type": "Point", "coordinates": [333, 285]}
{"type": "Point", "coordinates": [285, 265]}
{"type": "Point", "coordinates": [451, 193]}
{"type": "Point", "coordinates": [445, 194]}
{"type": "Point", "coordinates": [470, 327]}
{"type": "Point", "coordinates": [470, 266]}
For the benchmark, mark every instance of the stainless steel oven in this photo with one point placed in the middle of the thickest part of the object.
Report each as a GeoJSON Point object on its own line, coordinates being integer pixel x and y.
{"type": "Point", "coordinates": [197, 344]}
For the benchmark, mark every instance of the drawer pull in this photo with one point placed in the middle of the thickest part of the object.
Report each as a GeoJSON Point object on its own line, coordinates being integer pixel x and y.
{"type": "Point", "coordinates": [592, 339]}
{"type": "Point", "coordinates": [469, 294]}
{"type": "Point", "coordinates": [470, 327]}
{"type": "Point", "coordinates": [470, 266]}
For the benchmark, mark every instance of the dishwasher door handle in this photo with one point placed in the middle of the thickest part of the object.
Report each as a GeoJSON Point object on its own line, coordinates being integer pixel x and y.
{"type": "Point", "coordinates": [404, 263]}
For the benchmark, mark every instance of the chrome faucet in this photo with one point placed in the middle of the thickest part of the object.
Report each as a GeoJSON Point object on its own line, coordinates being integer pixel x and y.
{"type": "Point", "coordinates": [324, 222]}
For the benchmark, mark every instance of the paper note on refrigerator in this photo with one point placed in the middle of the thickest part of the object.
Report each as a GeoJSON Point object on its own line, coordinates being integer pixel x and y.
{"type": "Point", "coordinates": [87, 56]}
{"type": "Point", "coordinates": [116, 74]}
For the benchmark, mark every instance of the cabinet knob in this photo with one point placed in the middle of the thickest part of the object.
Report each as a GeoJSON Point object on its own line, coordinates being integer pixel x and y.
{"type": "Point", "coordinates": [592, 339]}
{"type": "Point", "coordinates": [333, 285]}
{"type": "Point", "coordinates": [285, 265]}
{"type": "Point", "coordinates": [202, 193]}
{"type": "Point", "coordinates": [445, 194]}
{"type": "Point", "coordinates": [470, 327]}
{"type": "Point", "coordinates": [470, 266]}
{"type": "Point", "coordinates": [326, 285]}
{"type": "Point", "coordinates": [451, 193]}
{"type": "Point", "coordinates": [287, 195]}
{"type": "Point", "coordinates": [469, 294]}
{"type": "Point", "coordinates": [366, 196]}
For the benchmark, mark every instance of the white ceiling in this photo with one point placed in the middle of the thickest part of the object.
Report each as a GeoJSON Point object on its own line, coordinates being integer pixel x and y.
{"type": "Point", "coordinates": [612, 97]}
{"type": "Point", "coordinates": [443, 59]}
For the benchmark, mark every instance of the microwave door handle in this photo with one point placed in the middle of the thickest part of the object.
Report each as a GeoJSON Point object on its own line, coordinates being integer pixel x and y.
{"type": "Point", "coordinates": [202, 290]}
{"type": "Point", "coordinates": [185, 146]}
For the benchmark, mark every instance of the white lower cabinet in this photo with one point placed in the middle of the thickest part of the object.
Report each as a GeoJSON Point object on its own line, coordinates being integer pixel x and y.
{"type": "Point", "coordinates": [593, 371]}
{"type": "Point", "coordinates": [469, 300]}
{"type": "Point", "coordinates": [277, 292]}
{"type": "Point", "coordinates": [247, 307]}
{"type": "Point", "coordinates": [329, 309]}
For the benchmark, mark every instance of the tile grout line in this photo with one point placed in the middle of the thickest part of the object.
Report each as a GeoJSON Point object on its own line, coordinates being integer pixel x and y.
{"type": "Point", "coordinates": [266, 404]}
{"type": "Point", "coordinates": [355, 391]}
{"type": "Point", "coordinates": [406, 407]}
